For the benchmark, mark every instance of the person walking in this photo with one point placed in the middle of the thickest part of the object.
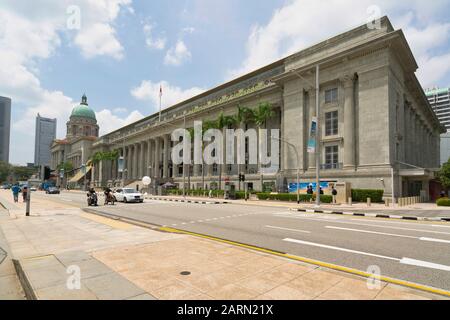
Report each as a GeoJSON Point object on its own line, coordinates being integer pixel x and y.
{"type": "Point", "coordinates": [24, 194]}
{"type": "Point", "coordinates": [16, 190]}
{"type": "Point", "coordinates": [334, 193]}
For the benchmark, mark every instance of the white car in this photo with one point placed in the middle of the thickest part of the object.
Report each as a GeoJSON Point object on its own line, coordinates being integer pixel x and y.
{"type": "Point", "coordinates": [128, 195]}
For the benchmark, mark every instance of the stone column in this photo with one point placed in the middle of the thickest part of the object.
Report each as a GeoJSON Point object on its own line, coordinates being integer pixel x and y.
{"type": "Point", "coordinates": [143, 164]}
{"type": "Point", "coordinates": [135, 160]}
{"type": "Point", "coordinates": [166, 156]}
{"type": "Point", "coordinates": [349, 122]}
{"type": "Point", "coordinates": [157, 155]}
{"type": "Point", "coordinates": [149, 158]}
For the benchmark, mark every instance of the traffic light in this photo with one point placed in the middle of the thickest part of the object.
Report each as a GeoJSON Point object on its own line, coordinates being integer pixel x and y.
{"type": "Point", "coordinates": [46, 173]}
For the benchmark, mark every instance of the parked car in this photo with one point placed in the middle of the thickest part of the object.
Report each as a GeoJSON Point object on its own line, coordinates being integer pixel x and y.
{"type": "Point", "coordinates": [33, 189]}
{"type": "Point", "coordinates": [52, 190]}
{"type": "Point", "coordinates": [128, 195]}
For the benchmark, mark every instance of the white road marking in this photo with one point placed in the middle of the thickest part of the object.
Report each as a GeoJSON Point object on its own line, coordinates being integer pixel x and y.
{"type": "Point", "coordinates": [434, 240]}
{"type": "Point", "coordinates": [287, 229]}
{"type": "Point", "coordinates": [370, 225]}
{"type": "Point", "coordinates": [425, 264]}
{"type": "Point", "coordinates": [372, 232]}
{"type": "Point", "coordinates": [438, 226]}
{"type": "Point", "coordinates": [338, 249]}
{"type": "Point", "coordinates": [391, 234]}
{"type": "Point", "coordinates": [407, 261]}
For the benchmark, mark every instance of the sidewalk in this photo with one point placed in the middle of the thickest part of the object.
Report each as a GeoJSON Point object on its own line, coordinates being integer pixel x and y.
{"type": "Point", "coordinates": [420, 211]}
{"type": "Point", "coordinates": [117, 260]}
{"type": "Point", "coordinates": [10, 288]}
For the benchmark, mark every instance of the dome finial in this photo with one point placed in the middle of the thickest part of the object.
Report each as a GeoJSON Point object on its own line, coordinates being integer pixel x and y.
{"type": "Point", "coordinates": [84, 99]}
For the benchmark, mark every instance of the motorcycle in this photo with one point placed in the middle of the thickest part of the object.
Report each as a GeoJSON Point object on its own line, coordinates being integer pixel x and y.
{"type": "Point", "coordinates": [92, 199]}
{"type": "Point", "coordinates": [109, 198]}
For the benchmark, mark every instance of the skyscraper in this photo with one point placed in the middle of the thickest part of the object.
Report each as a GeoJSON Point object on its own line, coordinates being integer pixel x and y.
{"type": "Point", "coordinates": [5, 128]}
{"type": "Point", "coordinates": [440, 102]}
{"type": "Point", "coordinates": [45, 134]}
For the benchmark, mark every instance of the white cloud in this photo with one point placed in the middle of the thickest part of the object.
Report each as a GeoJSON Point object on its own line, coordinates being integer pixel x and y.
{"type": "Point", "coordinates": [177, 55]}
{"type": "Point", "coordinates": [149, 91]}
{"type": "Point", "coordinates": [109, 122]}
{"type": "Point", "coordinates": [30, 33]}
{"type": "Point", "coordinates": [99, 40]}
{"type": "Point", "coordinates": [300, 24]}
{"type": "Point", "coordinates": [152, 42]}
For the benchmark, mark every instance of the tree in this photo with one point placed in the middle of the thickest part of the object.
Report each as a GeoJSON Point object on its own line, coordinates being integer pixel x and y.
{"type": "Point", "coordinates": [5, 171]}
{"type": "Point", "coordinates": [261, 115]}
{"type": "Point", "coordinates": [66, 166]}
{"type": "Point", "coordinates": [444, 175]}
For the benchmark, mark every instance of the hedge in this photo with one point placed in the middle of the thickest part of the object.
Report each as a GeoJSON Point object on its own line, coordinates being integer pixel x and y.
{"type": "Point", "coordinates": [292, 197]}
{"type": "Point", "coordinates": [443, 202]}
{"type": "Point", "coordinates": [361, 195]}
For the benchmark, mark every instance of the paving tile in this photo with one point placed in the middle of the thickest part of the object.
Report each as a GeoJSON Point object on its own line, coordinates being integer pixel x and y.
{"type": "Point", "coordinates": [285, 292]}
{"type": "Point", "coordinates": [10, 288]}
{"type": "Point", "coordinates": [233, 292]}
{"type": "Point", "coordinates": [350, 289]}
{"type": "Point", "coordinates": [47, 276]}
{"type": "Point", "coordinates": [393, 292]}
{"type": "Point", "coordinates": [61, 292]}
{"type": "Point", "coordinates": [176, 290]}
{"type": "Point", "coordinates": [68, 258]}
{"type": "Point", "coordinates": [112, 287]}
{"type": "Point", "coordinates": [144, 296]}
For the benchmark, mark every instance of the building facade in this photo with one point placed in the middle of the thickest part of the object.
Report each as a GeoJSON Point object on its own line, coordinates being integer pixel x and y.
{"type": "Point", "coordinates": [377, 129]}
{"type": "Point", "coordinates": [5, 128]}
{"type": "Point", "coordinates": [76, 148]}
{"type": "Point", "coordinates": [44, 137]}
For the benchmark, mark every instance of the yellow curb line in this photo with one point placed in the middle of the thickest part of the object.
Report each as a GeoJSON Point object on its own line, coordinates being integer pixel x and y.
{"type": "Point", "coordinates": [316, 262]}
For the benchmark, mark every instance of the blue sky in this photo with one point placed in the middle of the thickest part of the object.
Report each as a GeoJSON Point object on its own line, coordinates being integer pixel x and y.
{"type": "Point", "coordinates": [124, 49]}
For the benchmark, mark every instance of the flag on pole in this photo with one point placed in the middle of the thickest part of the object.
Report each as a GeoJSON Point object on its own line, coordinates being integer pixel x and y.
{"type": "Point", "coordinates": [160, 91]}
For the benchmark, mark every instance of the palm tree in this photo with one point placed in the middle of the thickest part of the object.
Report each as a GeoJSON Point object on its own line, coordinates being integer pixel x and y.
{"type": "Point", "coordinates": [223, 123]}
{"type": "Point", "coordinates": [100, 156]}
{"type": "Point", "coordinates": [261, 115]}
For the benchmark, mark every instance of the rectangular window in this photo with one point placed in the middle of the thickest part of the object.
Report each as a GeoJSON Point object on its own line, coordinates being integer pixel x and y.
{"type": "Point", "coordinates": [331, 95]}
{"type": "Point", "coordinates": [332, 157]}
{"type": "Point", "coordinates": [331, 123]}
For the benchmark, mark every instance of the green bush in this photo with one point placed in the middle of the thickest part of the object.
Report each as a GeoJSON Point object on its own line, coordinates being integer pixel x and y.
{"type": "Point", "coordinates": [287, 197]}
{"type": "Point", "coordinates": [361, 195]}
{"type": "Point", "coordinates": [443, 202]}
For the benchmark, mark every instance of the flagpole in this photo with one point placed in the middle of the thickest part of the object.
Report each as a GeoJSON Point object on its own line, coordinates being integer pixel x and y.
{"type": "Point", "coordinates": [160, 97]}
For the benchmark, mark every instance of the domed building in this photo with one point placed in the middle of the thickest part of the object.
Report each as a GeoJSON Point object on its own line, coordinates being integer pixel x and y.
{"type": "Point", "coordinates": [75, 150]}
{"type": "Point", "coordinates": [83, 122]}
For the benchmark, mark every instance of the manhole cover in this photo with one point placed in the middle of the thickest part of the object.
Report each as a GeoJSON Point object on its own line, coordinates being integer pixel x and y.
{"type": "Point", "coordinates": [185, 273]}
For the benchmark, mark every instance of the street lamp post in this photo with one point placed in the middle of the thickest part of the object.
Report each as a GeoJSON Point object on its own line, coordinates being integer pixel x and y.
{"type": "Point", "coordinates": [317, 149]}
{"type": "Point", "coordinates": [298, 165]}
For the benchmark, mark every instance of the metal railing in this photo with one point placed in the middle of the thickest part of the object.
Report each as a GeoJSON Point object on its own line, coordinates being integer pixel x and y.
{"type": "Point", "coordinates": [331, 166]}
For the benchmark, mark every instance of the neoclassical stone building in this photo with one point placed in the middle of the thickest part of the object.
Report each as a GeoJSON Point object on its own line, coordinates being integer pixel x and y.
{"type": "Point", "coordinates": [76, 148]}
{"type": "Point", "coordinates": [375, 120]}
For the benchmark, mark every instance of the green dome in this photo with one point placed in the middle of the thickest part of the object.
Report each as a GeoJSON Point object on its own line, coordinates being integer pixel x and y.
{"type": "Point", "coordinates": [83, 110]}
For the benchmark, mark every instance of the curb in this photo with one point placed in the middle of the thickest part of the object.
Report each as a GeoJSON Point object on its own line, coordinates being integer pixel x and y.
{"type": "Point", "coordinates": [373, 215]}
{"type": "Point", "coordinates": [188, 201]}
{"type": "Point", "coordinates": [25, 283]}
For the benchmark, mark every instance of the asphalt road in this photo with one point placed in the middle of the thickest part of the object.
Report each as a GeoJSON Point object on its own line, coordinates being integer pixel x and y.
{"type": "Point", "coordinates": [418, 252]}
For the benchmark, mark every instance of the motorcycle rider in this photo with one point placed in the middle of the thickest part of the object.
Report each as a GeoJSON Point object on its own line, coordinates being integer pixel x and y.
{"type": "Point", "coordinates": [108, 196]}
{"type": "Point", "coordinates": [92, 197]}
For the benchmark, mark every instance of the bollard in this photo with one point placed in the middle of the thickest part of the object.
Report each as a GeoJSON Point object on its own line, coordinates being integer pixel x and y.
{"type": "Point", "coordinates": [349, 201]}
{"type": "Point", "coordinates": [369, 202]}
